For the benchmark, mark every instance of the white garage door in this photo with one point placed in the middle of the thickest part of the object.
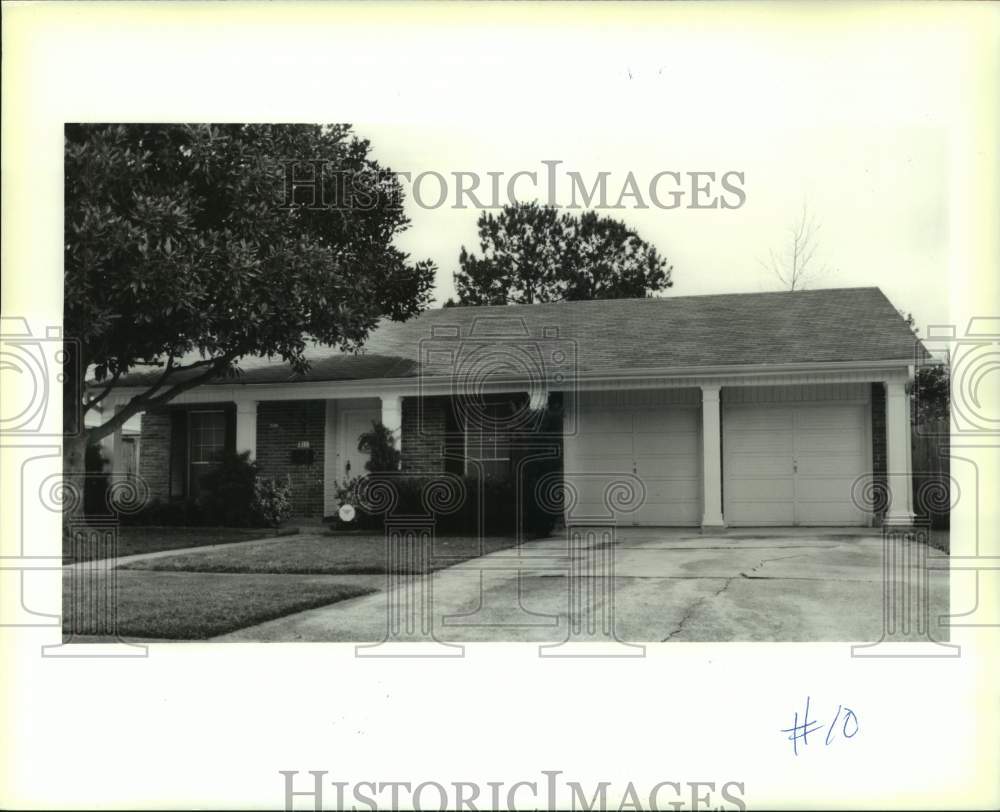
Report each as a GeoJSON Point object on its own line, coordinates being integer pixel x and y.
{"type": "Point", "coordinates": [659, 444]}
{"type": "Point", "coordinates": [786, 465]}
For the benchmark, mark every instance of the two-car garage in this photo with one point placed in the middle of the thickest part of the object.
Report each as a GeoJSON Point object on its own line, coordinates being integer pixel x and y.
{"type": "Point", "coordinates": [791, 455]}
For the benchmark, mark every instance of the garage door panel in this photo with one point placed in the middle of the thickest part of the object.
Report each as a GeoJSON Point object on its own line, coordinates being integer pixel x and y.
{"type": "Point", "coordinates": [828, 418]}
{"type": "Point", "coordinates": [671, 490]}
{"type": "Point", "coordinates": [829, 443]}
{"type": "Point", "coordinates": [749, 418]}
{"type": "Point", "coordinates": [675, 421]}
{"type": "Point", "coordinates": [830, 513]}
{"type": "Point", "coordinates": [762, 490]}
{"type": "Point", "coordinates": [827, 489]}
{"type": "Point", "coordinates": [755, 441]}
{"type": "Point", "coordinates": [590, 489]}
{"type": "Point", "coordinates": [660, 444]}
{"type": "Point", "coordinates": [599, 465]}
{"type": "Point", "coordinates": [845, 466]}
{"type": "Point", "coordinates": [753, 465]}
{"type": "Point", "coordinates": [801, 470]}
{"type": "Point", "coordinates": [647, 445]}
{"type": "Point", "coordinates": [677, 513]}
{"type": "Point", "coordinates": [775, 513]}
{"type": "Point", "coordinates": [598, 445]}
{"type": "Point", "coordinates": [589, 511]}
{"type": "Point", "coordinates": [668, 467]}
{"type": "Point", "coordinates": [603, 422]}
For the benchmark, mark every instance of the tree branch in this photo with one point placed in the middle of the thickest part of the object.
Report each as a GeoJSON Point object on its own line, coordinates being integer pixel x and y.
{"type": "Point", "coordinates": [147, 400]}
{"type": "Point", "coordinates": [92, 402]}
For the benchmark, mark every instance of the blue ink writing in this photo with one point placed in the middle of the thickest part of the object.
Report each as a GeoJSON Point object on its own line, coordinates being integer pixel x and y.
{"type": "Point", "coordinates": [800, 730]}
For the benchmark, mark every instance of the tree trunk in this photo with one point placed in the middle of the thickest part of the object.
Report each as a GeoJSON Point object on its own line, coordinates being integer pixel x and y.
{"type": "Point", "coordinates": [74, 435]}
{"type": "Point", "coordinates": [74, 478]}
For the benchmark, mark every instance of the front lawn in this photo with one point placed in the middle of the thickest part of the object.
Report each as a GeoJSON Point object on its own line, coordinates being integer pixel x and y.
{"type": "Point", "coordinates": [330, 555]}
{"type": "Point", "coordinates": [134, 540]}
{"type": "Point", "coordinates": [195, 606]}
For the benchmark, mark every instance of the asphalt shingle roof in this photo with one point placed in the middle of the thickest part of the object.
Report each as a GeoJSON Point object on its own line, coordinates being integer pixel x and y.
{"type": "Point", "coordinates": [610, 336]}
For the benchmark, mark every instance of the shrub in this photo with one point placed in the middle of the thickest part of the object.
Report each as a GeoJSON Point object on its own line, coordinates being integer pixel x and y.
{"type": "Point", "coordinates": [381, 446]}
{"type": "Point", "coordinates": [232, 495]}
{"type": "Point", "coordinates": [272, 501]}
{"type": "Point", "coordinates": [186, 513]}
{"type": "Point", "coordinates": [227, 492]}
{"type": "Point", "coordinates": [347, 494]}
{"type": "Point", "coordinates": [489, 504]}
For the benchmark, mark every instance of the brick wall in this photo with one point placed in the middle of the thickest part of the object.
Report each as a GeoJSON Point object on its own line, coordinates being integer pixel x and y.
{"type": "Point", "coordinates": [878, 446]}
{"type": "Point", "coordinates": [433, 441]}
{"type": "Point", "coordinates": [424, 427]}
{"type": "Point", "coordinates": [154, 454]}
{"type": "Point", "coordinates": [281, 425]}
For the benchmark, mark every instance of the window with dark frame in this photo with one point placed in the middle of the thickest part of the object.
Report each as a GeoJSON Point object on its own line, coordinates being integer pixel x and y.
{"type": "Point", "coordinates": [199, 440]}
{"type": "Point", "coordinates": [207, 436]}
{"type": "Point", "coordinates": [487, 440]}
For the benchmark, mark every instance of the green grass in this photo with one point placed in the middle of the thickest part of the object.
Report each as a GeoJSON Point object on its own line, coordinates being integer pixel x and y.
{"type": "Point", "coordinates": [133, 540]}
{"type": "Point", "coordinates": [330, 555]}
{"type": "Point", "coordinates": [194, 606]}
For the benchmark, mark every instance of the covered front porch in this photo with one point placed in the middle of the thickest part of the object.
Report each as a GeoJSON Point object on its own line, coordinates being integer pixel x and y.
{"type": "Point", "coordinates": [786, 447]}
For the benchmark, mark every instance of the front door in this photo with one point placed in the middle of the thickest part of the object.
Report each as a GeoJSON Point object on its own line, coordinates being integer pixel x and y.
{"type": "Point", "coordinates": [352, 424]}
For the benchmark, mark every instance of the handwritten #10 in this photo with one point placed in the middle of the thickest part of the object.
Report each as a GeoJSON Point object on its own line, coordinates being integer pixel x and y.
{"type": "Point", "coordinates": [799, 731]}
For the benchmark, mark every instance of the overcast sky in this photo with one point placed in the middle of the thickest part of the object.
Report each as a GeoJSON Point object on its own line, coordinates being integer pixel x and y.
{"type": "Point", "coordinates": [849, 121]}
{"type": "Point", "coordinates": [876, 193]}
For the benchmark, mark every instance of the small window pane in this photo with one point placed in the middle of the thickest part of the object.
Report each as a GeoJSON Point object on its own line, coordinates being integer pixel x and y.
{"type": "Point", "coordinates": [488, 441]}
{"type": "Point", "coordinates": [208, 436]}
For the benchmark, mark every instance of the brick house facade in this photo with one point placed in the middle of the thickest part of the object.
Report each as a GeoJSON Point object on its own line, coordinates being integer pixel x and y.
{"type": "Point", "coordinates": [750, 409]}
{"type": "Point", "coordinates": [281, 426]}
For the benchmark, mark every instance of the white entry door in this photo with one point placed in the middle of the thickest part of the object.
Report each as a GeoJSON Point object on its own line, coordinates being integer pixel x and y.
{"type": "Point", "coordinates": [659, 445]}
{"type": "Point", "coordinates": [794, 465]}
{"type": "Point", "coordinates": [352, 424]}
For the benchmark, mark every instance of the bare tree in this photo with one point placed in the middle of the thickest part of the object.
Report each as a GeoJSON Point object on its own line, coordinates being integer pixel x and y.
{"type": "Point", "coordinates": [795, 264]}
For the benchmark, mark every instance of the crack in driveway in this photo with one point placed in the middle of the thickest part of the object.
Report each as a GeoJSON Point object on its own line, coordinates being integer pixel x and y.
{"type": "Point", "coordinates": [689, 612]}
{"type": "Point", "coordinates": [764, 561]}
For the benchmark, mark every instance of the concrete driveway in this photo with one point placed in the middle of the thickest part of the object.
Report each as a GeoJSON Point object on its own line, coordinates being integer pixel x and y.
{"type": "Point", "coordinates": [649, 585]}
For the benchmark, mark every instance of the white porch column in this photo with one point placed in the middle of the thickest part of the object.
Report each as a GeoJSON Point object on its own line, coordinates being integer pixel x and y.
{"type": "Point", "coordinates": [711, 464]}
{"type": "Point", "coordinates": [392, 417]}
{"type": "Point", "coordinates": [246, 427]}
{"type": "Point", "coordinates": [899, 476]}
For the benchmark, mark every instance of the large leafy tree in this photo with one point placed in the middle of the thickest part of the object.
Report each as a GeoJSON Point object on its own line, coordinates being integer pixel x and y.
{"type": "Point", "coordinates": [186, 249]}
{"type": "Point", "coordinates": [532, 253]}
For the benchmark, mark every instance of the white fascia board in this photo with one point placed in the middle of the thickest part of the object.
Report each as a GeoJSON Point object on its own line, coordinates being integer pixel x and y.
{"type": "Point", "coordinates": [726, 375]}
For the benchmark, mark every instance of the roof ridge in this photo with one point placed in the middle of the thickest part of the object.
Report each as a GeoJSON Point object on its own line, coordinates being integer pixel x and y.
{"type": "Point", "coordinates": [649, 298]}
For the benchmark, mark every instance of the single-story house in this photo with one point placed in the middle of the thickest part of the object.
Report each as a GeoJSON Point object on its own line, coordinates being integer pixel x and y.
{"type": "Point", "coordinates": [784, 408]}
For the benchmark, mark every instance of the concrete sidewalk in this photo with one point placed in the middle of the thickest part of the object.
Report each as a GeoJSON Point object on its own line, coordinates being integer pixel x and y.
{"type": "Point", "coordinates": [667, 585]}
{"type": "Point", "coordinates": [127, 559]}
